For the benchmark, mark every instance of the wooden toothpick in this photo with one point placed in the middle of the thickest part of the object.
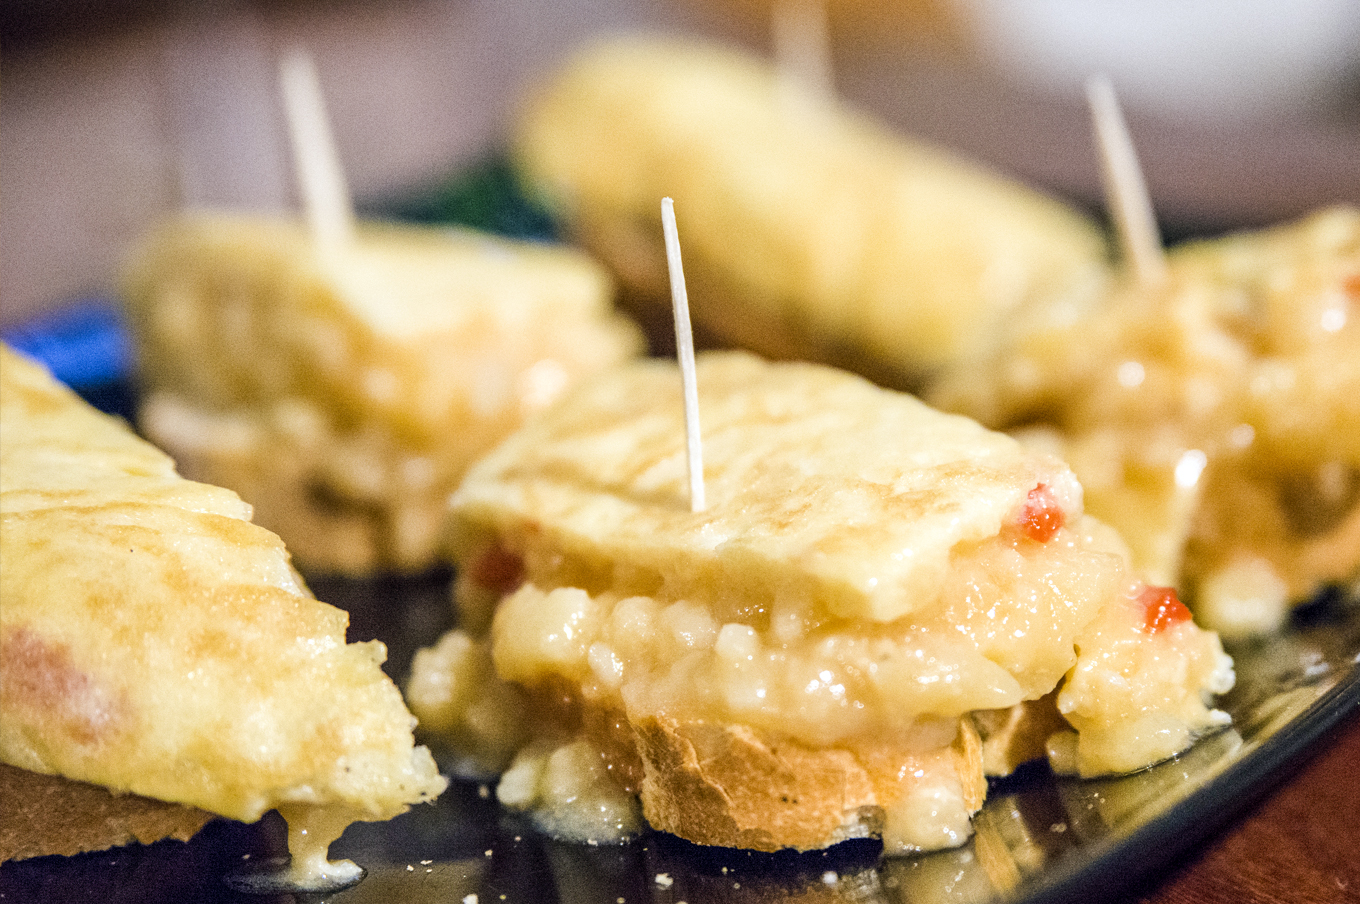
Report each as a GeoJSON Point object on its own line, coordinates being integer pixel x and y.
{"type": "Point", "coordinates": [325, 194]}
{"type": "Point", "coordinates": [1126, 193]}
{"type": "Point", "coordinates": [684, 350]}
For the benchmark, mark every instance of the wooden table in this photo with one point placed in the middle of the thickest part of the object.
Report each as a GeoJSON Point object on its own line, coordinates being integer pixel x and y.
{"type": "Point", "coordinates": [1300, 845]}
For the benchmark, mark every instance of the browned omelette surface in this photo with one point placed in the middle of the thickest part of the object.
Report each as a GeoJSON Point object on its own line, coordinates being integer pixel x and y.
{"type": "Point", "coordinates": [154, 641]}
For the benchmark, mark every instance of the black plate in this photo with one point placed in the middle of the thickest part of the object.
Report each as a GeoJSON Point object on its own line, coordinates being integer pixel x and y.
{"type": "Point", "coordinates": [1038, 839]}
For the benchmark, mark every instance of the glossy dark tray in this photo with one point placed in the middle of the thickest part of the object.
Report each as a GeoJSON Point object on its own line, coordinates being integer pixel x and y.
{"type": "Point", "coordinates": [1038, 839]}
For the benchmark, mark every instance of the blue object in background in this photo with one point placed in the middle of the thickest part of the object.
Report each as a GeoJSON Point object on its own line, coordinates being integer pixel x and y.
{"type": "Point", "coordinates": [86, 345]}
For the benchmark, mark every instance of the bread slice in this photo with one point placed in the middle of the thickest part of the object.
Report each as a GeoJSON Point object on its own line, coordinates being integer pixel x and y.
{"type": "Point", "coordinates": [154, 642]}
{"type": "Point", "coordinates": [48, 814]}
{"type": "Point", "coordinates": [810, 231]}
{"type": "Point", "coordinates": [343, 396]}
{"type": "Point", "coordinates": [732, 786]}
{"type": "Point", "coordinates": [1223, 400]}
{"type": "Point", "coordinates": [805, 660]}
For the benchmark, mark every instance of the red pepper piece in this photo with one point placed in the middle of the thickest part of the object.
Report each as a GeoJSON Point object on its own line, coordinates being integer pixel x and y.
{"type": "Point", "coordinates": [1352, 285]}
{"type": "Point", "coordinates": [1162, 609]}
{"type": "Point", "coordinates": [498, 569]}
{"type": "Point", "coordinates": [1042, 517]}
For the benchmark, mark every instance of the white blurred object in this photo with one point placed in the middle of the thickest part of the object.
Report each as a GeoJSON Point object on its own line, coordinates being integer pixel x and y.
{"type": "Point", "coordinates": [1228, 60]}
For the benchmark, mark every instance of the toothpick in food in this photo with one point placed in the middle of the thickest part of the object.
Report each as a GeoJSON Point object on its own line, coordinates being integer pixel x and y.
{"type": "Point", "coordinates": [325, 193]}
{"type": "Point", "coordinates": [1126, 192]}
{"type": "Point", "coordinates": [802, 50]}
{"type": "Point", "coordinates": [684, 349]}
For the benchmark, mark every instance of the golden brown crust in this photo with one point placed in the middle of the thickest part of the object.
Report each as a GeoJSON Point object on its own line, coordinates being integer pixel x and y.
{"type": "Point", "coordinates": [967, 750]}
{"type": "Point", "coordinates": [795, 459]}
{"type": "Point", "coordinates": [48, 814]}
{"type": "Point", "coordinates": [721, 785]}
{"type": "Point", "coordinates": [730, 786]}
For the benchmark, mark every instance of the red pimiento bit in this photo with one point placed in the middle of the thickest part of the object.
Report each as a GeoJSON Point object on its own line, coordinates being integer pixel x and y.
{"type": "Point", "coordinates": [1042, 517]}
{"type": "Point", "coordinates": [1162, 609]}
{"type": "Point", "coordinates": [1351, 285]}
{"type": "Point", "coordinates": [498, 569]}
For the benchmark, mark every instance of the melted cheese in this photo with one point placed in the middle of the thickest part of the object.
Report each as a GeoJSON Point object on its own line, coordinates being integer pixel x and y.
{"type": "Point", "coordinates": [310, 833]}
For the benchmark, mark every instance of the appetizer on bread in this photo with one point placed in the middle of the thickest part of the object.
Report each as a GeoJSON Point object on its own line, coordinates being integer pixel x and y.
{"type": "Point", "coordinates": [160, 660]}
{"type": "Point", "coordinates": [810, 231]}
{"type": "Point", "coordinates": [879, 605]}
{"type": "Point", "coordinates": [1211, 418]}
{"type": "Point", "coordinates": [343, 394]}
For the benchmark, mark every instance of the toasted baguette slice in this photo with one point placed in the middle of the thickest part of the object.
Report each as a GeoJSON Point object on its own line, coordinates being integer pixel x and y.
{"type": "Point", "coordinates": [1222, 399]}
{"type": "Point", "coordinates": [810, 231]}
{"type": "Point", "coordinates": [157, 643]}
{"type": "Point", "coordinates": [47, 814]}
{"type": "Point", "coordinates": [344, 396]}
{"type": "Point", "coordinates": [801, 661]}
{"type": "Point", "coordinates": [733, 786]}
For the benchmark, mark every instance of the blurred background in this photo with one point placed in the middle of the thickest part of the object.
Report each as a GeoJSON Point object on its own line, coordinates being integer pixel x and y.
{"type": "Point", "coordinates": [115, 112]}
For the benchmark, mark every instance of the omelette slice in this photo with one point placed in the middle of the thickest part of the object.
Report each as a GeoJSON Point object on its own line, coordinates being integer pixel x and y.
{"type": "Point", "coordinates": [1223, 399]}
{"type": "Point", "coordinates": [154, 642]}
{"type": "Point", "coordinates": [343, 395]}
{"type": "Point", "coordinates": [811, 231]}
{"type": "Point", "coordinates": [841, 644]}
